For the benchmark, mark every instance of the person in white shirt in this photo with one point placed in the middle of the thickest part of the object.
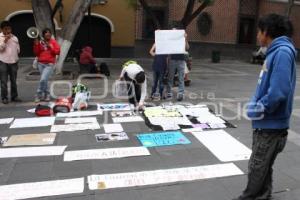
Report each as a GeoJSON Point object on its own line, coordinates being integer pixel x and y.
{"type": "Point", "coordinates": [9, 50]}
{"type": "Point", "coordinates": [137, 85]}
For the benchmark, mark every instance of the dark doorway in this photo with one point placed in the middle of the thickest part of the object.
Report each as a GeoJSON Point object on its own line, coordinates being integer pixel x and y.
{"type": "Point", "coordinates": [96, 33]}
{"type": "Point", "coordinates": [149, 26]}
{"type": "Point", "coordinates": [20, 24]}
{"type": "Point", "coordinates": [247, 30]}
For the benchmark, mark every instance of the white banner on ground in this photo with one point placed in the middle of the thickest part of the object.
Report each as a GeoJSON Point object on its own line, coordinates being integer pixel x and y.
{"type": "Point", "coordinates": [31, 151]}
{"type": "Point", "coordinates": [33, 122]}
{"type": "Point", "coordinates": [169, 42]}
{"type": "Point", "coordinates": [6, 120]}
{"type": "Point", "coordinates": [79, 120]}
{"type": "Point", "coordinates": [105, 153]}
{"type": "Point", "coordinates": [30, 139]}
{"type": "Point", "coordinates": [74, 127]}
{"type": "Point", "coordinates": [80, 113]}
{"type": "Point", "coordinates": [41, 189]}
{"type": "Point", "coordinates": [223, 146]}
{"type": "Point", "coordinates": [132, 179]}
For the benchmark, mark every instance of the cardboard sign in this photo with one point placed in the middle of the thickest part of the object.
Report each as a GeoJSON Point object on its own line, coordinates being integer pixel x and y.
{"type": "Point", "coordinates": [169, 42]}
{"type": "Point", "coordinates": [163, 139]}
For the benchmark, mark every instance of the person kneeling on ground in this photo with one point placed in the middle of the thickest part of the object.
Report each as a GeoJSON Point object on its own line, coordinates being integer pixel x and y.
{"type": "Point", "coordinates": [136, 83]}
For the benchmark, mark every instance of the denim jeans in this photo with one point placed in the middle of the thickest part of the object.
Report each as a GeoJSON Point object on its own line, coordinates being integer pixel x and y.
{"type": "Point", "coordinates": [46, 70]}
{"type": "Point", "coordinates": [11, 71]}
{"type": "Point", "coordinates": [173, 66]}
{"type": "Point", "coordinates": [267, 143]}
{"type": "Point", "coordinates": [157, 81]}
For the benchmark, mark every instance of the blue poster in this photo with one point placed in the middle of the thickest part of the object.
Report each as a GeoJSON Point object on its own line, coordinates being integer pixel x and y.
{"type": "Point", "coordinates": [162, 138]}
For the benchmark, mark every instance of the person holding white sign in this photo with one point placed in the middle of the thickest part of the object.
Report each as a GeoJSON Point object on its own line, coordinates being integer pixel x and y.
{"type": "Point", "coordinates": [177, 62]}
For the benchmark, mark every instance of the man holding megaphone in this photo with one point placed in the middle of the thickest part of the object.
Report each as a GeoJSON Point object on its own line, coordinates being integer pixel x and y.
{"type": "Point", "coordinates": [46, 51]}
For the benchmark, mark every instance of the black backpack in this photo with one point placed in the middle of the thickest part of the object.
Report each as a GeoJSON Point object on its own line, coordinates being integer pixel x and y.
{"type": "Point", "coordinates": [104, 69]}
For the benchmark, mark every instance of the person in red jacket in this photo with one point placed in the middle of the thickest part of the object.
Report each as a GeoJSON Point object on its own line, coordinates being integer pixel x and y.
{"type": "Point", "coordinates": [46, 51]}
{"type": "Point", "coordinates": [87, 61]}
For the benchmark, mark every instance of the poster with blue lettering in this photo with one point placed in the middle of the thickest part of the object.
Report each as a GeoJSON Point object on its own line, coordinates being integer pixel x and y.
{"type": "Point", "coordinates": [162, 138]}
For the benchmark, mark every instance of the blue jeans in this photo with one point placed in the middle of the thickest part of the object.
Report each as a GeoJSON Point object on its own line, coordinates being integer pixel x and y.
{"type": "Point", "coordinates": [157, 80]}
{"type": "Point", "coordinates": [173, 66]}
{"type": "Point", "coordinates": [46, 70]}
{"type": "Point", "coordinates": [11, 71]}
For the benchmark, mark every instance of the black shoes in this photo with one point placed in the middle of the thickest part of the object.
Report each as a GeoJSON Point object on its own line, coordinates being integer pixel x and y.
{"type": "Point", "coordinates": [4, 101]}
{"type": "Point", "coordinates": [16, 99]}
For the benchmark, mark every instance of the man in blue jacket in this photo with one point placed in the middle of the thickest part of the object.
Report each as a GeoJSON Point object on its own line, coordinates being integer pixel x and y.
{"type": "Point", "coordinates": [271, 106]}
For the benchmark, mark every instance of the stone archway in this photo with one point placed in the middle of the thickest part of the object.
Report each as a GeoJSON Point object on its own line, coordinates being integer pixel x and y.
{"type": "Point", "coordinates": [95, 32]}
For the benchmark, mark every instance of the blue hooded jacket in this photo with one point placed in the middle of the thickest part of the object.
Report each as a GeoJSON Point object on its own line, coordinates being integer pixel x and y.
{"type": "Point", "coordinates": [271, 105]}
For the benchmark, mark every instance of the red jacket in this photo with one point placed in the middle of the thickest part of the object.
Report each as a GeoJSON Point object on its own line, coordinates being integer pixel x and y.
{"type": "Point", "coordinates": [46, 54]}
{"type": "Point", "coordinates": [86, 56]}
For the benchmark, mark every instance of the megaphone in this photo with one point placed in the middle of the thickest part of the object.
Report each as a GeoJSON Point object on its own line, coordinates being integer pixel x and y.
{"type": "Point", "coordinates": [33, 32]}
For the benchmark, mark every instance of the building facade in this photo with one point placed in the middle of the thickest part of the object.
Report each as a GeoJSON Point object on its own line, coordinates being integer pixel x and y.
{"type": "Point", "coordinates": [110, 29]}
{"type": "Point", "coordinates": [228, 25]}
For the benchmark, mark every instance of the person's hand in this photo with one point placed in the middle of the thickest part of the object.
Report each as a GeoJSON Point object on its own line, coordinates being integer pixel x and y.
{"type": "Point", "coordinates": [7, 37]}
{"type": "Point", "coordinates": [140, 106]}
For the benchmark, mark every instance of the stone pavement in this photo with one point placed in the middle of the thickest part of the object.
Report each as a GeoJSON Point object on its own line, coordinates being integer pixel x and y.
{"type": "Point", "coordinates": [224, 86]}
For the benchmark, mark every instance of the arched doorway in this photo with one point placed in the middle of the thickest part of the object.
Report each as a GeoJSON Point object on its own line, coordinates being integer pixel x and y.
{"type": "Point", "coordinates": [95, 32]}
{"type": "Point", "coordinates": [20, 24]}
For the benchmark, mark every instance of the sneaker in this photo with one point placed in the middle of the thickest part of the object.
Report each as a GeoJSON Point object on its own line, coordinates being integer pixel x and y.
{"type": "Point", "coordinates": [4, 101]}
{"type": "Point", "coordinates": [47, 97]}
{"type": "Point", "coordinates": [180, 97]}
{"type": "Point", "coordinates": [16, 99]}
{"type": "Point", "coordinates": [169, 96]}
{"type": "Point", "coordinates": [155, 97]}
{"type": "Point", "coordinates": [37, 99]}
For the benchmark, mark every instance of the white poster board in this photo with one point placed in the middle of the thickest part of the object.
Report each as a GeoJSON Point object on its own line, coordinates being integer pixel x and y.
{"type": "Point", "coordinates": [41, 189]}
{"type": "Point", "coordinates": [169, 42]}
{"type": "Point", "coordinates": [133, 179]}
{"type": "Point", "coordinates": [223, 146]}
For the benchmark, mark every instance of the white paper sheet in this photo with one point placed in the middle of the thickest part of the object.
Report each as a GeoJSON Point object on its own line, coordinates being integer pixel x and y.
{"type": "Point", "coordinates": [6, 120]}
{"type": "Point", "coordinates": [169, 42]}
{"type": "Point", "coordinates": [41, 189]}
{"type": "Point", "coordinates": [210, 118]}
{"type": "Point", "coordinates": [223, 146]}
{"type": "Point", "coordinates": [197, 129]}
{"type": "Point", "coordinates": [74, 127]}
{"type": "Point", "coordinates": [113, 128]}
{"type": "Point", "coordinates": [132, 179]}
{"type": "Point", "coordinates": [33, 122]}
{"type": "Point", "coordinates": [31, 151]}
{"type": "Point", "coordinates": [105, 153]}
{"type": "Point", "coordinates": [169, 120]}
{"type": "Point", "coordinates": [80, 113]}
{"type": "Point", "coordinates": [127, 119]}
{"type": "Point", "coordinates": [80, 120]}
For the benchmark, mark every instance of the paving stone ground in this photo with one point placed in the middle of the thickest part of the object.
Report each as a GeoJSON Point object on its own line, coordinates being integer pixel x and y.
{"type": "Point", "coordinates": [224, 86]}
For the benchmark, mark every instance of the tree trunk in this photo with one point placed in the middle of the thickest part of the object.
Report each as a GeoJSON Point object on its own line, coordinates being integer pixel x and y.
{"type": "Point", "coordinates": [70, 29]}
{"type": "Point", "coordinates": [149, 12]}
{"type": "Point", "coordinates": [187, 20]}
{"type": "Point", "coordinates": [42, 13]}
{"type": "Point", "coordinates": [289, 8]}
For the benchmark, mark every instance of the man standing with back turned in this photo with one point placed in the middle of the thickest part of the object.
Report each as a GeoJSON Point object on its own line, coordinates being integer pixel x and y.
{"type": "Point", "coordinates": [271, 106]}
